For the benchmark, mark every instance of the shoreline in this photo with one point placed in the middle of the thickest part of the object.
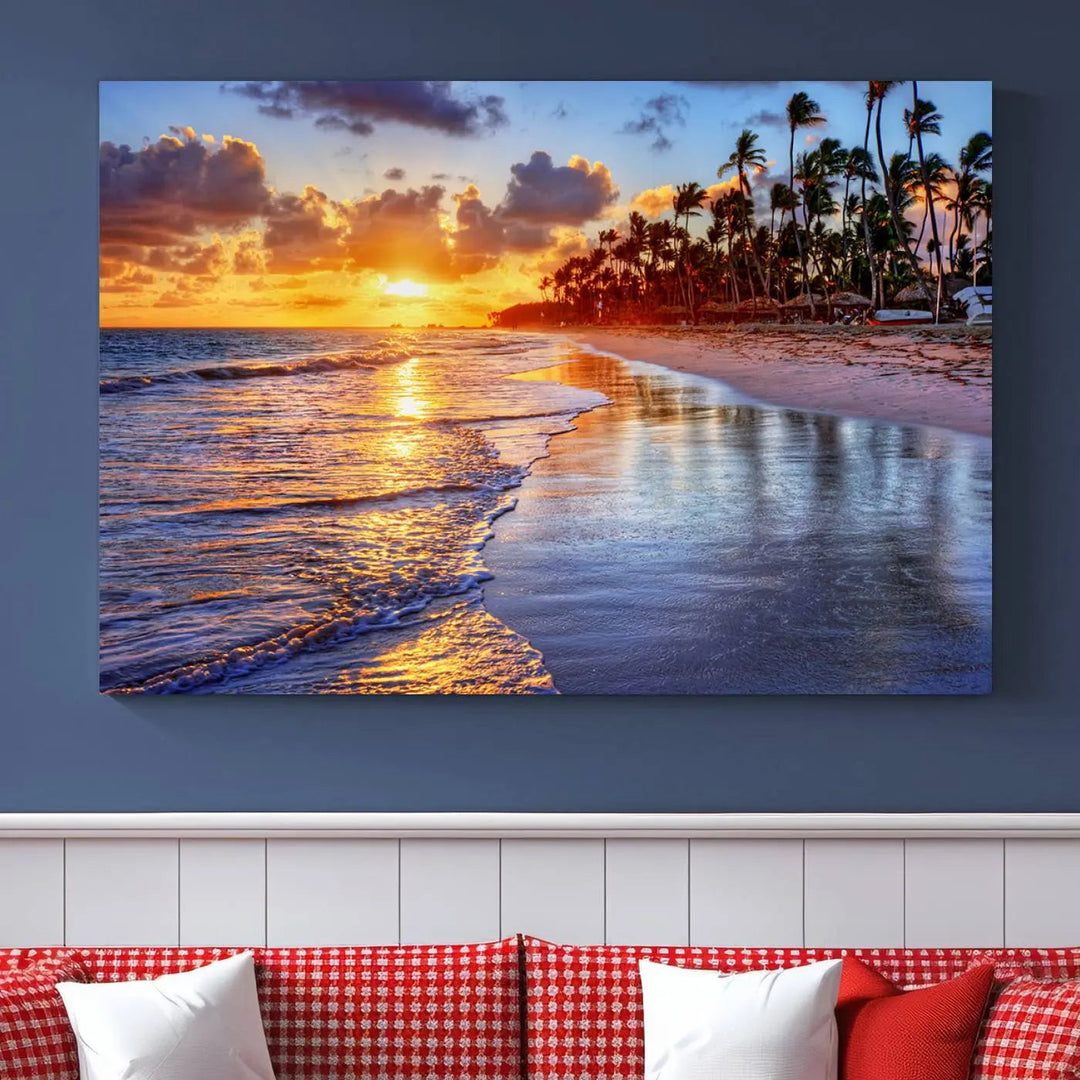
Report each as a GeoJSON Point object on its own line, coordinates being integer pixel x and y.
{"type": "Point", "coordinates": [676, 542]}
{"type": "Point", "coordinates": [934, 376]}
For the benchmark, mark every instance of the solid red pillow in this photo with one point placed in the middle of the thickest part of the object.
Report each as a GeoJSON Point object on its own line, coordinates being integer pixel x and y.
{"type": "Point", "coordinates": [891, 1034]}
{"type": "Point", "coordinates": [36, 1039]}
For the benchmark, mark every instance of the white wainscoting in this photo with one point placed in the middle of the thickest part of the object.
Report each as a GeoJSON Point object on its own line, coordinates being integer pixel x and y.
{"type": "Point", "coordinates": [841, 880]}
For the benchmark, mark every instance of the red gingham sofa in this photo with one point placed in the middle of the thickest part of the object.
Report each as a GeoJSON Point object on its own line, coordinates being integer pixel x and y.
{"type": "Point", "coordinates": [376, 1013]}
{"type": "Point", "coordinates": [523, 1007]}
{"type": "Point", "coordinates": [583, 1015]}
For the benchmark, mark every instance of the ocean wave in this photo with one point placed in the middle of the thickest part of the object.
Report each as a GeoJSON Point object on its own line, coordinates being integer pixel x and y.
{"type": "Point", "coordinates": [378, 607]}
{"type": "Point", "coordinates": [333, 502]}
{"type": "Point", "coordinates": [365, 360]}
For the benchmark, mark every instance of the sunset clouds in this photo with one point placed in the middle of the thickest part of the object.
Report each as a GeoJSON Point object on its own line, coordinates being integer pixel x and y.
{"type": "Point", "coordinates": [187, 214]}
{"type": "Point", "coordinates": [304, 202]}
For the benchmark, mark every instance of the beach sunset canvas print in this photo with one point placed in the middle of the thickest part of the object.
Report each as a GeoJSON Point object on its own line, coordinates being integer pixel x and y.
{"type": "Point", "coordinates": [579, 388]}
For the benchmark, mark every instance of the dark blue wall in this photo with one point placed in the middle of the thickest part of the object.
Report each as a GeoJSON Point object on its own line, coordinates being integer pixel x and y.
{"type": "Point", "coordinates": [64, 748]}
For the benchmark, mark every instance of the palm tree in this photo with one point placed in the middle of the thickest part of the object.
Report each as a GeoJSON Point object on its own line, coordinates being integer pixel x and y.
{"type": "Point", "coordinates": [687, 200]}
{"type": "Point", "coordinates": [781, 198]}
{"type": "Point", "coordinates": [880, 88]}
{"type": "Point", "coordinates": [926, 120]}
{"type": "Point", "coordinates": [871, 98]}
{"type": "Point", "coordinates": [858, 166]}
{"type": "Point", "coordinates": [976, 157]}
{"type": "Point", "coordinates": [747, 153]}
{"type": "Point", "coordinates": [984, 201]}
{"type": "Point", "coordinates": [802, 111]}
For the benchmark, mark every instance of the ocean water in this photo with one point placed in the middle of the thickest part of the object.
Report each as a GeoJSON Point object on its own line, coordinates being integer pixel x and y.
{"type": "Point", "coordinates": [310, 512]}
{"type": "Point", "coordinates": [304, 511]}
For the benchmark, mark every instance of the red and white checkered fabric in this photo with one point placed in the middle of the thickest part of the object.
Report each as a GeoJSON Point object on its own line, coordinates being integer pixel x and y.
{"type": "Point", "coordinates": [36, 1039]}
{"type": "Point", "coordinates": [1031, 1032]}
{"type": "Point", "coordinates": [1031, 963]}
{"type": "Point", "coordinates": [583, 1003]}
{"type": "Point", "coordinates": [409, 1012]}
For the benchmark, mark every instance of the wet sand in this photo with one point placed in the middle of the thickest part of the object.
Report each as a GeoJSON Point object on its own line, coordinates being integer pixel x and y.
{"type": "Point", "coordinates": [941, 376]}
{"type": "Point", "coordinates": [685, 540]}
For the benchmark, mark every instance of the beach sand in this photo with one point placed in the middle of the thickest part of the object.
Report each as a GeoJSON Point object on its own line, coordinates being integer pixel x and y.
{"type": "Point", "coordinates": [939, 376]}
{"type": "Point", "coordinates": [683, 540]}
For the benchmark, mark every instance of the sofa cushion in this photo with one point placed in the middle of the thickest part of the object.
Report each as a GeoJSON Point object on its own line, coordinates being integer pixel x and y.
{"type": "Point", "coordinates": [1031, 1032]}
{"type": "Point", "coordinates": [184, 1024]}
{"type": "Point", "coordinates": [926, 1033]}
{"type": "Point", "coordinates": [1030, 963]}
{"type": "Point", "coordinates": [583, 1002]}
{"type": "Point", "coordinates": [36, 1039]}
{"type": "Point", "coordinates": [363, 1013]}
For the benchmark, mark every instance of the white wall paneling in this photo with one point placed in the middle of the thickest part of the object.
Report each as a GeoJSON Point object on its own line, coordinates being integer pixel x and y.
{"type": "Point", "coordinates": [31, 892]}
{"type": "Point", "coordinates": [710, 879]}
{"type": "Point", "coordinates": [1042, 892]}
{"type": "Point", "coordinates": [554, 889]}
{"type": "Point", "coordinates": [449, 891]}
{"type": "Point", "coordinates": [746, 892]}
{"type": "Point", "coordinates": [954, 893]}
{"type": "Point", "coordinates": [223, 892]}
{"type": "Point", "coordinates": [332, 892]}
{"type": "Point", "coordinates": [854, 892]}
{"type": "Point", "coordinates": [647, 892]}
{"type": "Point", "coordinates": [122, 892]}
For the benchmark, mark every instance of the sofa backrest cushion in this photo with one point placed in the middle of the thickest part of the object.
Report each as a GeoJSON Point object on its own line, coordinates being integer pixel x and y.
{"type": "Point", "coordinates": [583, 1010]}
{"type": "Point", "coordinates": [362, 1013]}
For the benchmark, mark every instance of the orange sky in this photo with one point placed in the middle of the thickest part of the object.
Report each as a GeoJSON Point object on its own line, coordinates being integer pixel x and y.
{"type": "Point", "coordinates": [367, 204]}
{"type": "Point", "coordinates": [192, 234]}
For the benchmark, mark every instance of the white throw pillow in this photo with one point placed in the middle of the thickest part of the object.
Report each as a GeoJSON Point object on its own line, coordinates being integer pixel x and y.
{"type": "Point", "coordinates": [757, 1025]}
{"type": "Point", "coordinates": [196, 1025]}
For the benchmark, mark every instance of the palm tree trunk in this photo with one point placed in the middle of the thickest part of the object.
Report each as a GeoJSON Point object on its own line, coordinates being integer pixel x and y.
{"type": "Point", "coordinates": [890, 196]}
{"type": "Point", "coordinates": [866, 219]}
{"type": "Point", "coordinates": [929, 192]}
{"type": "Point", "coordinates": [794, 218]}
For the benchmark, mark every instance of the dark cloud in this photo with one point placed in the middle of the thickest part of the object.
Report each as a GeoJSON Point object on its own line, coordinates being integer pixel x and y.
{"type": "Point", "coordinates": [560, 112]}
{"type": "Point", "coordinates": [657, 115]}
{"type": "Point", "coordinates": [767, 118]}
{"type": "Point", "coordinates": [541, 193]}
{"type": "Point", "coordinates": [168, 190]}
{"type": "Point", "coordinates": [396, 173]}
{"type": "Point", "coordinates": [358, 106]}
{"type": "Point", "coordinates": [484, 233]}
{"type": "Point", "coordinates": [301, 235]}
{"type": "Point", "coordinates": [198, 260]}
{"type": "Point", "coordinates": [318, 301]}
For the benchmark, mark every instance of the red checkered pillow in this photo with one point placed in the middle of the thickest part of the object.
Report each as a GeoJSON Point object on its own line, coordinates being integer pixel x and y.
{"type": "Point", "coordinates": [437, 1012]}
{"type": "Point", "coordinates": [36, 1040]}
{"type": "Point", "coordinates": [583, 1002]}
{"type": "Point", "coordinates": [1031, 1032]}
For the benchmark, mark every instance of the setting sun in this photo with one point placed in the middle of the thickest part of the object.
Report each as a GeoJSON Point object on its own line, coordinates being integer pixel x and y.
{"type": "Point", "coordinates": [405, 287]}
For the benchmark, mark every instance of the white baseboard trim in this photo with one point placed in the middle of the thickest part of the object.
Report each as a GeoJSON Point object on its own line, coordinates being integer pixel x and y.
{"type": "Point", "coordinates": [537, 825]}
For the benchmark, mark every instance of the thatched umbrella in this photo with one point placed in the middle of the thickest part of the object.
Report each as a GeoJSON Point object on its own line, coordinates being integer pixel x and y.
{"type": "Point", "coordinates": [849, 300]}
{"type": "Point", "coordinates": [762, 303]}
{"type": "Point", "coordinates": [712, 311]}
{"type": "Point", "coordinates": [803, 301]}
{"type": "Point", "coordinates": [913, 294]}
